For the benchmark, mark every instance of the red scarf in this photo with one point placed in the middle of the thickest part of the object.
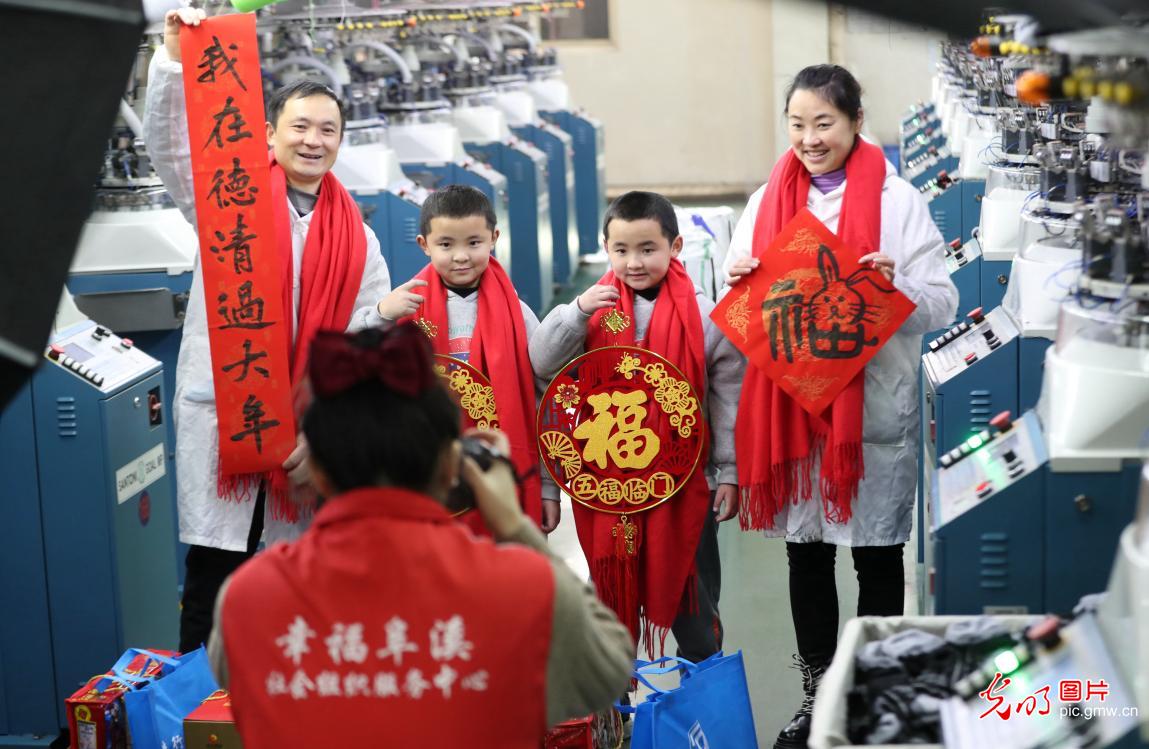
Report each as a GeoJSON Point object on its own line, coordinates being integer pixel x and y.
{"type": "Point", "coordinates": [647, 588]}
{"type": "Point", "coordinates": [777, 442]}
{"type": "Point", "coordinates": [333, 261]}
{"type": "Point", "coordinates": [498, 350]}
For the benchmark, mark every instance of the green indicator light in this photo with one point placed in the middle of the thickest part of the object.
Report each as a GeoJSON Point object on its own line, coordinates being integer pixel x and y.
{"type": "Point", "coordinates": [975, 442]}
{"type": "Point", "coordinates": [1006, 662]}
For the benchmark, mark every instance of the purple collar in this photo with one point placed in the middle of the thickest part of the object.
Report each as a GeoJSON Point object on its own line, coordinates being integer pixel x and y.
{"type": "Point", "coordinates": [830, 181]}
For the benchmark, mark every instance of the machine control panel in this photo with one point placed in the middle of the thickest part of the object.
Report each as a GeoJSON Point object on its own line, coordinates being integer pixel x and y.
{"type": "Point", "coordinates": [98, 356]}
{"type": "Point", "coordinates": [938, 185]}
{"type": "Point", "coordinates": [918, 164]}
{"type": "Point", "coordinates": [966, 343]}
{"type": "Point", "coordinates": [985, 464]}
{"type": "Point", "coordinates": [960, 255]}
{"type": "Point", "coordinates": [1081, 648]}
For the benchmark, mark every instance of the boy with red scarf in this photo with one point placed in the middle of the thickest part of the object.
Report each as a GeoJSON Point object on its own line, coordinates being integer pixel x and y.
{"type": "Point", "coordinates": [670, 316]}
{"type": "Point", "coordinates": [465, 303]}
{"type": "Point", "coordinates": [333, 276]}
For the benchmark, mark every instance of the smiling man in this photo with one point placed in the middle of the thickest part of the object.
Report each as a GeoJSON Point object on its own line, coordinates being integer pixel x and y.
{"type": "Point", "coordinates": [315, 213]}
{"type": "Point", "coordinates": [304, 130]}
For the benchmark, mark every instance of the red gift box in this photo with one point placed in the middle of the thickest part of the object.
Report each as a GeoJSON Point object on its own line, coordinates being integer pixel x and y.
{"type": "Point", "coordinates": [96, 718]}
{"type": "Point", "coordinates": [571, 734]}
{"type": "Point", "coordinates": [212, 725]}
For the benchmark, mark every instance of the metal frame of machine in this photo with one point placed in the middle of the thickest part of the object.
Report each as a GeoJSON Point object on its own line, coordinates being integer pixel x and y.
{"type": "Point", "coordinates": [464, 96]}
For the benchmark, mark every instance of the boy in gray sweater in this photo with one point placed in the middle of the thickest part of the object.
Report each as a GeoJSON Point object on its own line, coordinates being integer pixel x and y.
{"type": "Point", "coordinates": [642, 241]}
{"type": "Point", "coordinates": [465, 303]}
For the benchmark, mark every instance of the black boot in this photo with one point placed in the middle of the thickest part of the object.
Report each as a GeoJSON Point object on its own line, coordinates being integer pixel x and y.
{"type": "Point", "coordinates": [797, 731]}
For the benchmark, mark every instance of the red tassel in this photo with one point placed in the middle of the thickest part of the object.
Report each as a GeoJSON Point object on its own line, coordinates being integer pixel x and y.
{"type": "Point", "coordinates": [789, 482]}
{"type": "Point", "coordinates": [616, 576]}
{"type": "Point", "coordinates": [652, 633]}
{"type": "Point", "coordinates": [759, 507]}
{"type": "Point", "coordinates": [839, 482]}
{"type": "Point", "coordinates": [279, 498]}
{"type": "Point", "coordinates": [616, 581]}
{"type": "Point", "coordinates": [236, 488]}
{"type": "Point", "coordinates": [626, 538]}
{"type": "Point", "coordinates": [690, 600]}
{"type": "Point", "coordinates": [243, 488]}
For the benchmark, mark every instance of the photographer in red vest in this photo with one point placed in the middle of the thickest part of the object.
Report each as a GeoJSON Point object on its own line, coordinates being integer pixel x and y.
{"type": "Point", "coordinates": [388, 623]}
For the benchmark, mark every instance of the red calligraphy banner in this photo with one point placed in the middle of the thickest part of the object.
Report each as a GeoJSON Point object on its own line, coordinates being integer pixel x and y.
{"type": "Point", "coordinates": [809, 316]}
{"type": "Point", "coordinates": [247, 329]}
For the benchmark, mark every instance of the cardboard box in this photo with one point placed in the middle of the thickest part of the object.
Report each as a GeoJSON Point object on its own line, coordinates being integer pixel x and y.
{"type": "Point", "coordinates": [211, 725]}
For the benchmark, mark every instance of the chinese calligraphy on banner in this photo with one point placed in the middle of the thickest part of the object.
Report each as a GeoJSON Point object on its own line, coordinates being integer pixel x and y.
{"type": "Point", "coordinates": [247, 328]}
{"type": "Point", "coordinates": [809, 316]}
{"type": "Point", "coordinates": [620, 429]}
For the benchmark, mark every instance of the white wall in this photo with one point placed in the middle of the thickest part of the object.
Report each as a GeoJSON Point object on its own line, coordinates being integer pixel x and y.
{"type": "Point", "coordinates": [801, 37]}
{"type": "Point", "coordinates": [691, 93]}
{"type": "Point", "coordinates": [683, 89]}
{"type": "Point", "coordinates": [892, 61]}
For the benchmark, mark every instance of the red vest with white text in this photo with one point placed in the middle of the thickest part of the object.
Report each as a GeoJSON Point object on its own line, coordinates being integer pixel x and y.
{"type": "Point", "coordinates": [387, 624]}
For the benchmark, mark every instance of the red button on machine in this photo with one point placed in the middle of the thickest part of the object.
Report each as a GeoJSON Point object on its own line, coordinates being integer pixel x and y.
{"type": "Point", "coordinates": [1002, 422]}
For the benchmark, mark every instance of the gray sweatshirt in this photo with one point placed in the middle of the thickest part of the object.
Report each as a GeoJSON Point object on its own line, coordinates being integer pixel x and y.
{"type": "Point", "coordinates": [562, 336]}
{"type": "Point", "coordinates": [462, 314]}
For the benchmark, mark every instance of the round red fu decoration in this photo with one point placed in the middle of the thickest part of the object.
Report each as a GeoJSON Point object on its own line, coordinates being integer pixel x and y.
{"type": "Point", "coordinates": [470, 389]}
{"type": "Point", "coordinates": [621, 430]}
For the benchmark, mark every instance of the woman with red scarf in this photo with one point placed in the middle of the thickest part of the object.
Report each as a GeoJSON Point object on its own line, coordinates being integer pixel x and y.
{"type": "Point", "coordinates": [846, 477]}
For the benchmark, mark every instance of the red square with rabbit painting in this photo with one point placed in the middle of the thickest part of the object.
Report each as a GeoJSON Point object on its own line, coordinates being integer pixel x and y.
{"type": "Point", "coordinates": [809, 316]}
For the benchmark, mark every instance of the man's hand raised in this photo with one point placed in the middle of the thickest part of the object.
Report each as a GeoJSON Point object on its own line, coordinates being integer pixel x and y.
{"type": "Point", "coordinates": [173, 21]}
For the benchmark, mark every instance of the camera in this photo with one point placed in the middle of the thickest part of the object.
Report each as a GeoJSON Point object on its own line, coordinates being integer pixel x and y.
{"type": "Point", "coordinates": [461, 498]}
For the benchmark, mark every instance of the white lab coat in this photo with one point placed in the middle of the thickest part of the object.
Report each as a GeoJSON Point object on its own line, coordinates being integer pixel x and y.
{"type": "Point", "coordinates": [205, 518]}
{"type": "Point", "coordinates": [883, 511]}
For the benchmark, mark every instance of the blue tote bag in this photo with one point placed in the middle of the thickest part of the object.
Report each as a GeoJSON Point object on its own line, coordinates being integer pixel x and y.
{"type": "Point", "coordinates": [710, 709]}
{"type": "Point", "coordinates": [156, 708]}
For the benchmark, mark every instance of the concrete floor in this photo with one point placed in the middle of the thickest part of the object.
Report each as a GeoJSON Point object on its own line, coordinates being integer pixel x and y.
{"type": "Point", "coordinates": [755, 602]}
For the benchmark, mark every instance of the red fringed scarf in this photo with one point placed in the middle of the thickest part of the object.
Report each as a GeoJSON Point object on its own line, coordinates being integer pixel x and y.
{"type": "Point", "coordinates": [777, 442]}
{"type": "Point", "coordinates": [498, 350]}
{"type": "Point", "coordinates": [333, 261]}
{"type": "Point", "coordinates": [646, 589]}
